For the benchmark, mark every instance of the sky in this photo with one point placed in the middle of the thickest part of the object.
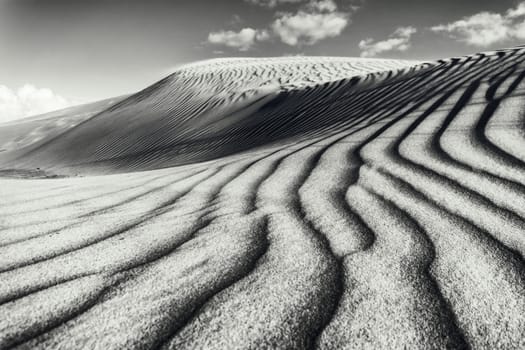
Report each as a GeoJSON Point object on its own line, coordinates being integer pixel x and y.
{"type": "Point", "coordinates": [56, 53]}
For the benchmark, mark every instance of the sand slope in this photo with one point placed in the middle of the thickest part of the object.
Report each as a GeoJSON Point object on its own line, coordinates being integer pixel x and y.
{"type": "Point", "coordinates": [284, 203]}
{"type": "Point", "coordinates": [200, 112]}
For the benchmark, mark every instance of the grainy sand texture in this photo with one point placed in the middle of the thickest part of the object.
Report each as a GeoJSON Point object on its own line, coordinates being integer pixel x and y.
{"type": "Point", "coordinates": [277, 203]}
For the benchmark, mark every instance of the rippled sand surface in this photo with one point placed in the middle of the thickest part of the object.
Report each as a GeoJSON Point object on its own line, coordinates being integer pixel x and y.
{"type": "Point", "coordinates": [287, 203]}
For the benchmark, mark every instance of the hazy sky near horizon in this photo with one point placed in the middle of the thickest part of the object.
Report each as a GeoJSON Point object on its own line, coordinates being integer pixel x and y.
{"type": "Point", "coordinates": [84, 50]}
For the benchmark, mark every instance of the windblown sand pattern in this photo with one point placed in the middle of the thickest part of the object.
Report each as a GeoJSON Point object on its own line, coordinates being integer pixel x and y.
{"type": "Point", "coordinates": [283, 203]}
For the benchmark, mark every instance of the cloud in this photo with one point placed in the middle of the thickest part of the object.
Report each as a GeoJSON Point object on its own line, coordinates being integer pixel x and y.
{"type": "Point", "coordinates": [272, 3]}
{"type": "Point", "coordinates": [321, 6]}
{"type": "Point", "coordinates": [487, 28]}
{"type": "Point", "coordinates": [317, 20]}
{"type": "Point", "coordinates": [242, 40]}
{"type": "Point", "coordinates": [236, 20]}
{"type": "Point", "coordinates": [27, 101]}
{"type": "Point", "coordinates": [397, 41]}
{"type": "Point", "coordinates": [308, 28]}
{"type": "Point", "coordinates": [519, 11]}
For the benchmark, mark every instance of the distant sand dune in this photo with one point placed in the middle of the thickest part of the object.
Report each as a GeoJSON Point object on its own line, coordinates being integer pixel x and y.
{"type": "Point", "coordinates": [283, 203]}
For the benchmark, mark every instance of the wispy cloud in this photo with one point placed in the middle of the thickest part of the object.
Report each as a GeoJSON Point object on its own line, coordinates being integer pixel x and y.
{"type": "Point", "coordinates": [27, 101]}
{"type": "Point", "coordinates": [397, 41]}
{"type": "Point", "coordinates": [487, 28]}
{"type": "Point", "coordinates": [242, 40]}
{"type": "Point", "coordinates": [272, 3]}
{"type": "Point", "coordinates": [236, 20]}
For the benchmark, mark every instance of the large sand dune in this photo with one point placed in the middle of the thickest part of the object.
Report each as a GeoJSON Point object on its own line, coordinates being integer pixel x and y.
{"type": "Point", "coordinates": [200, 112]}
{"type": "Point", "coordinates": [285, 203]}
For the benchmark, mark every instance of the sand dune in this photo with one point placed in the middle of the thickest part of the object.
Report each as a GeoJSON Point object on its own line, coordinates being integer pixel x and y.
{"type": "Point", "coordinates": [283, 203]}
{"type": "Point", "coordinates": [200, 112]}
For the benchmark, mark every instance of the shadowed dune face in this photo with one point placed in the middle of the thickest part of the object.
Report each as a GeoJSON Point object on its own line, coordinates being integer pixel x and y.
{"type": "Point", "coordinates": [379, 211]}
{"type": "Point", "coordinates": [202, 111]}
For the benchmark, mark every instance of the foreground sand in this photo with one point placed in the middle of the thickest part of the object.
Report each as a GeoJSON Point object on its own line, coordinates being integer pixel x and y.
{"type": "Point", "coordinates": [284, 204]}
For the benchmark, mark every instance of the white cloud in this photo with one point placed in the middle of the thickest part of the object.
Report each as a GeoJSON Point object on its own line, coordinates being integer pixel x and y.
{"type": "Point", "coordinates": [317, 20]}
{"type": "Point", "coordinates": [27, 101]}
{"type": "Point", "coordinates": [309, 28]}
{"type": "Point", "coordinates": [242, 40]}
{"type": "Point", "coordinates": [397, 41]}
{"type": "Point", "coordinates": [262, 35]}
{"type": "Point", "coordinates": [272, 3]}
{"type": "Point", "coordinates": [487, 28]}
{"type": "Point", "coordinates": [519, 11]}
{"type": "Point", "coordinates": [322, 5]}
